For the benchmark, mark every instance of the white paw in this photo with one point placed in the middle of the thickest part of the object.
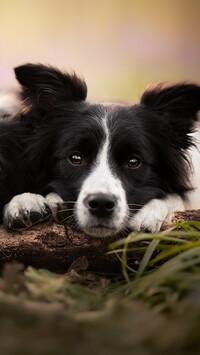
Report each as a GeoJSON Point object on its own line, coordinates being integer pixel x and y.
{"type": "Point", "coordinates": [57, 206]}
{"type": "Point", "coordinates": [54, 201]}
{"type": "Point", "coordinates": [25, 210]}
{"type": "Point", "coordinates": [152, 216]}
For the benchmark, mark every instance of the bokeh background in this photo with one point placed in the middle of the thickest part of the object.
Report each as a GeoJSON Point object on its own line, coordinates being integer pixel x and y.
{"type": "Point", "coordinates": [118, 46]}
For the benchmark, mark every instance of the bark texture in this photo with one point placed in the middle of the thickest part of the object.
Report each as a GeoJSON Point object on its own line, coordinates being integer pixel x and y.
{"type": "Point", "coordinates": [58, 248]}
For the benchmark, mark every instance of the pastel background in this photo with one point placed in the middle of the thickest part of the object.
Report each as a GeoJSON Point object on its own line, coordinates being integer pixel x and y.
{"type": "Point", "coordinates": [118, 46]}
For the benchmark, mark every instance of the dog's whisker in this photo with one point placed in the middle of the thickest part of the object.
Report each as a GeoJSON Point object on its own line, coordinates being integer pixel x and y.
{"type": "Point", "coordinates": [74, 225]}
{"type": "Point", "coordinates": [135, 204]}
{"type": "Point", "coordinates": [54, 214]}
{"type": "Point", "coordinates": [65, 210]}
{"type": "Point", "coordinates": [67, 218]}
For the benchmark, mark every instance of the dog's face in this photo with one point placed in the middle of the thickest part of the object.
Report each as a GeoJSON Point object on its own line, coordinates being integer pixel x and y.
{"type": "Point", "coordinates": [107, 161]}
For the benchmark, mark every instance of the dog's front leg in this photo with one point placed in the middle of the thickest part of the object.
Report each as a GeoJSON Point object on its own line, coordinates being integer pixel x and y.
{"type": "Point", "coordinates": [155, 213]}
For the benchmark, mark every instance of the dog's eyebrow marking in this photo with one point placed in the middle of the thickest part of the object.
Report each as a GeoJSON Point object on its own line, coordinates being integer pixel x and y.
{"type": "Point", "coordinates": [102, 158]}
{"type": "Point", "coordinates": [103, 180]}
{"type": "Point", "coordinates": [101, 174]}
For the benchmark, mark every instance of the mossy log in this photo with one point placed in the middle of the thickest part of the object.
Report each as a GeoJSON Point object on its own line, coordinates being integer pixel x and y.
{"type": "Point", "coordinates": [57, 247]}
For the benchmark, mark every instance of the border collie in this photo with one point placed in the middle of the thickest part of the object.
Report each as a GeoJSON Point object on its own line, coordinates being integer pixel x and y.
{"type": "Point", "coordinates": [116, 167]}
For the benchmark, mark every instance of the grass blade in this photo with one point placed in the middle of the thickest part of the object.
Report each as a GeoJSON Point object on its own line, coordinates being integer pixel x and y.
{"type": "Point", "coordinates": [147, 256]}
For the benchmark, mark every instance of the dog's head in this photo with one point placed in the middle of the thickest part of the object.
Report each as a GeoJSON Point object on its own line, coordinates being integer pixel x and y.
{"type": "Point", "coordinates": [107, 161]}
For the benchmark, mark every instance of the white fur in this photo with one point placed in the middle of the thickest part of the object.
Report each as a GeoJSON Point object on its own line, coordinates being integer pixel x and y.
{"type": "Point", "coordinates": [9, 103]}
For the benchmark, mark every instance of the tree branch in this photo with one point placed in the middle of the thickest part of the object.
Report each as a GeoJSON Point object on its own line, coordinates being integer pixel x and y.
{"type": "Point", "coordinates": [58, 248]}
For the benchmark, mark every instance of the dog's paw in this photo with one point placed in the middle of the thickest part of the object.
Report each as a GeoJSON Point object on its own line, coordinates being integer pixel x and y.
{"type": "Point", "coordinates": [25, 210]}
{"type": "Point", "coordinates": [54, 201]}
{"type": "Point", "coordinates": [155, 213]}
{"type": "Point", "coordinates": [57, 206]}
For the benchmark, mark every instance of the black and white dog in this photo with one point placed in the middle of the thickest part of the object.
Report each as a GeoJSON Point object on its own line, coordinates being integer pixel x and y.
{"type": "Point", "coordinates": [115, 166]}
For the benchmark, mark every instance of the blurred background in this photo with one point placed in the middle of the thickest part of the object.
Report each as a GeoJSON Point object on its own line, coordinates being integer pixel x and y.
{"type": "Point", "coordinates": [117, 46]}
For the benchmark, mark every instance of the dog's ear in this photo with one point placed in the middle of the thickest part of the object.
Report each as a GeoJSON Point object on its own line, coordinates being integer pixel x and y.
{"type": "Point", "coordinates": [177, 106]}
{"type": "Point", "coordinates": [44, 86]}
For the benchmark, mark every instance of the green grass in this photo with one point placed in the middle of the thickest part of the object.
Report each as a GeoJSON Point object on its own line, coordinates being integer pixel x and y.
{"type": "Point", "coordinates": [153, 308]}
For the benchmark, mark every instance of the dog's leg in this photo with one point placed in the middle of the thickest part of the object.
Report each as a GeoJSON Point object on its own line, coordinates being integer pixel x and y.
{"type": "Point", "coordinates": [152, 216]}
{"type": "Point", "coordinates": [25, 210]}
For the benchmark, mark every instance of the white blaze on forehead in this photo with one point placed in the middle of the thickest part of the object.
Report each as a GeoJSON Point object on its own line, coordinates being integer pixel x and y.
{"type": "Point", "coordinates": [101, 179]}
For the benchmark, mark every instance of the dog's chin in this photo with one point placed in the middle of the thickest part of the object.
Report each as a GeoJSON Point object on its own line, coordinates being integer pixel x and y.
{"type": "Point", "coordinates": [100, 231]}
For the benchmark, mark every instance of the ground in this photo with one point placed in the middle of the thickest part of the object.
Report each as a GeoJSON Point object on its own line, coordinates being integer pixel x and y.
{"type": "Point", "coordinates": [153, 309]}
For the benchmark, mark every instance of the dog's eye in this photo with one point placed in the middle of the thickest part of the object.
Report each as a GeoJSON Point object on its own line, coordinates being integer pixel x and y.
{"type": "Point", "coordinates": [75, 159]}
{"type": "Point", "coordinates": [133, 162]}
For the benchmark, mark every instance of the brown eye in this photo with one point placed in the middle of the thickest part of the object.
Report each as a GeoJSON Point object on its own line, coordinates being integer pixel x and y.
{"type": "Point", "coordinates": [133, 162]}
{"type": "Point", "coordinates": [75, 159]}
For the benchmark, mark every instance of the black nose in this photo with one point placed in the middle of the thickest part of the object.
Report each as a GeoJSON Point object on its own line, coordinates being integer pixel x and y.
{"type": "Point", "coordinates": [100, 205]}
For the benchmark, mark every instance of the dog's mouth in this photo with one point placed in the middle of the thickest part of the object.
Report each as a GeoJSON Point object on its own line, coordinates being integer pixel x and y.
{"type": "Point", "coordinates": [100, 230]}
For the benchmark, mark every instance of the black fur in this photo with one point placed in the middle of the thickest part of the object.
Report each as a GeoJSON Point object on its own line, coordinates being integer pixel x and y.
{"type": "Point", "coordinates": [156, 130]}
{"type": "Point", "coordinates": [45, 88]}
{"type": "Point", "coordinates": [15, 177]}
